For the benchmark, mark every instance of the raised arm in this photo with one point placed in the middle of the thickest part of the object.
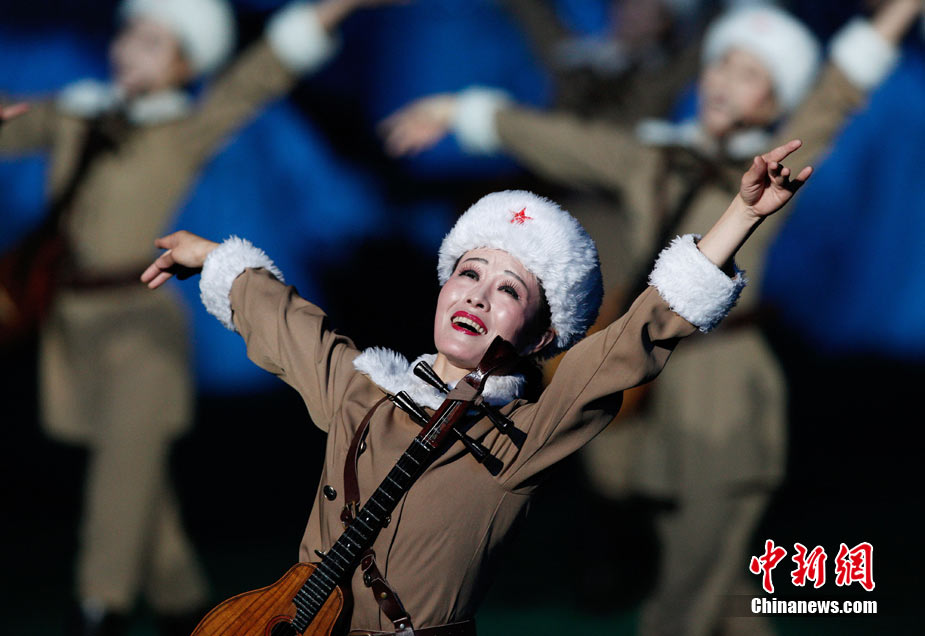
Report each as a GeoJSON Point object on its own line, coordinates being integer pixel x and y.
{"type": "Point", "coordinates": [862, 54]}
{"type": "Point", "coordinates": [560, 147]}
{"type": "Point", "coordinates": [285, 334]}
{"type": "Point", "coordinates": [687, 291]}
{"type": "Point", "coordinates": [299, 39]}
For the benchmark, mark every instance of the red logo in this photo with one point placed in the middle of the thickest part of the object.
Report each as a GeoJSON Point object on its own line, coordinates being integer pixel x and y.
{"type": "Point", "coordinates": [855, 565]}
{"type": "Point", "coordinates": [520, 217]}
{"type": "Point", "coordinates": [767, 562]}
{"type": "Point", "coordinates": [810, 566]}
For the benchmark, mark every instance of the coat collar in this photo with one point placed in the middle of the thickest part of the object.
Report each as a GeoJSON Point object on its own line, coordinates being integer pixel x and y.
{"type": "Point", "coordinates": [90, 98]}
{"type": "Point", "coordinates": [392, 372]}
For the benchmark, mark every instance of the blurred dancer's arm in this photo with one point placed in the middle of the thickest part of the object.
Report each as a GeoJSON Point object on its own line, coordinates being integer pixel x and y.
{"type": "Point", "coordinates": [560, 147]}
{"type": "Point", "coordinates": [298, 40]}
{"type": "Point", "coordinates": [862, 55]}
{"type": "Point", "coordinates": [32, 129]}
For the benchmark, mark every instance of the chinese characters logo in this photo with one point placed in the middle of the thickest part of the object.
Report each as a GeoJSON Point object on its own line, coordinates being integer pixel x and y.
{"type": "Point", "coordinates": [852, 565]}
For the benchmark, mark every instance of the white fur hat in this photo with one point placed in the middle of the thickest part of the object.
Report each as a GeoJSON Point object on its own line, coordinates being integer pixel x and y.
{"type": "Point", "coordinates": [548, 241]}
{"type": "Point", "coordinates": [205, 28]}
{"type": "Point", "coordinates": [788, 49]}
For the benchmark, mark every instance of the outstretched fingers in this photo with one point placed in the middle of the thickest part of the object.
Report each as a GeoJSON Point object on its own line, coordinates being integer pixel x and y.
{"type": "Point", "coordinates": [165, 265]}
{"type": "Point", "coordinates": [781, 176]}
{"type": "Point", "coordinates": [801, 178]}
{"type": "Point", "coordinates": [780, 153]}
{"type": "Point", "coordinates": [160, 271]}
{"type": "Point", "coordinates": [768, 184]}
{"type": "Point", "coordinates": [410, 132]}
{"type": "Point", "coordinates": [419, 125]}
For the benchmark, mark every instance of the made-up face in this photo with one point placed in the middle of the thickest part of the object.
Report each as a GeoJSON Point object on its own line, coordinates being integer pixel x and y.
{"type": "Point", "coordinates": [736, 92]}
{"type": "Point", "coordinates": [490, 293]}
{"type": "Point", "coordinates": [146, 57]}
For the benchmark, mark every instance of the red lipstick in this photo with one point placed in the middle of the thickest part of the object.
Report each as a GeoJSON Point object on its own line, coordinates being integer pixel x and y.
{"type": "Point", "coordinates": [468, 324]}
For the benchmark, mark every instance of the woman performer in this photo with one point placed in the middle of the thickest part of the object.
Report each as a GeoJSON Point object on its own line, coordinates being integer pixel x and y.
{"type": "Point", "coordinates": [517, 266]}
{"type": "Point", "coordinates": [707, 442]}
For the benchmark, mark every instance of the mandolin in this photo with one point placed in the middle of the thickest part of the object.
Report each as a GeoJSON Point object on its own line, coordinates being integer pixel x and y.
{"type": "Point", "coordinates": [307, 599]}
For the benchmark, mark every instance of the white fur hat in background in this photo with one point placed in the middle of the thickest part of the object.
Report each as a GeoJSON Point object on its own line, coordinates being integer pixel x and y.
{"type": "Point", "coordinates": [549, 242]}
{"type": "Point", "coordinates": [205, 28]}
{"type": "Point", "coordinates": [788, 49]}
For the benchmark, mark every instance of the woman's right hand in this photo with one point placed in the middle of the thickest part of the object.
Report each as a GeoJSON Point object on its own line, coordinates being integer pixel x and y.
{"type": "Point", "coordinates": [418, 125]}
{"type": "Point", "coordinates": [186, 253]}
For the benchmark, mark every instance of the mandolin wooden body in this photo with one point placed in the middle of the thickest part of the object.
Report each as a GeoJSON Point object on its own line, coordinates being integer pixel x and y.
{"type": "Point", "coordinates": [270, 610]}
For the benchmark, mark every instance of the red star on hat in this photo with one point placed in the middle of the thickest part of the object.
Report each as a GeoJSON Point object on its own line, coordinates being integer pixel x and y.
{"type": "Point", "coordinates": [521, 217]}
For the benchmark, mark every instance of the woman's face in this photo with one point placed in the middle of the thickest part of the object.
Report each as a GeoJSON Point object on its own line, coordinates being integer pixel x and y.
{"type": "Point", "coordinates": [736, 91]}
{"type": "Point", "coordinates": [146, 57]}
{"type": "Point", "coordinates": [490, 293]}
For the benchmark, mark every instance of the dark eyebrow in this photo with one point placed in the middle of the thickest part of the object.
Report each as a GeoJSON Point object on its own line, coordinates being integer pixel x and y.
{"type": "Point", "coordinates": [518, 278]}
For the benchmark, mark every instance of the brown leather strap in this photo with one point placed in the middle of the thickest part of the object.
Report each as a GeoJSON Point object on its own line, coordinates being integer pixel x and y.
{"type": "Point", "coordinates": [463, 628]}
{"type": "Point", "coordinates": [385, 596]}
{"type": "Point", "coordinates": [351, 482]}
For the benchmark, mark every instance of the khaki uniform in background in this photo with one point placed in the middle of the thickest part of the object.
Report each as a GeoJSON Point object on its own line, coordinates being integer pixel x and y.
{"type": "Point", "coordinates": [620, 97]}
{"type": "Point", "coordinates": [440, 549]}
{"type": "Point", "coordinates": [645, 86]}
{"type": "Point", "coordinates": [114, 358]}
{"type": "Point", "coordinates": [711, 437]}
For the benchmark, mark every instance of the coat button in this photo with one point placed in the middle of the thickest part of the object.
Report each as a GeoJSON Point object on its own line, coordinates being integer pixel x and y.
{"type": "Point", "coordinates": [329, 493]}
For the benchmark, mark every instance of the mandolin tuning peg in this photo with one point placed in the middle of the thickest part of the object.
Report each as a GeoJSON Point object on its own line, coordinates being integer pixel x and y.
{"type": "Point", "coordinates": [499, 420]}
{"type": "Point", "coordinates": [409, 406]}
{"type": "Point", "coordinates": [426, 373]}
{"type": "Point", "coordinates": [477, 449]}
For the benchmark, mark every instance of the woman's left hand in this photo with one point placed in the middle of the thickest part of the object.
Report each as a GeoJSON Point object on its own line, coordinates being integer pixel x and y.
{"type": "Point", "coordinates": [767, 185]}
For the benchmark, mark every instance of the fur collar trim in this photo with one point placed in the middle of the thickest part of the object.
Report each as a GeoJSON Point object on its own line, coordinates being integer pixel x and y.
{"type": "Point", "coordinates": [392, 372]}
{"type": "Point", "coordinates": [89, 98]}
{"type": "Point", "coordinates": [689, 134]}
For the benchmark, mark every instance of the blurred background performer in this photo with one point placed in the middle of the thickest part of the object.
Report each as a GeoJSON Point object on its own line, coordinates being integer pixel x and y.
{"type": "Point", "coordinates": [123, 156]}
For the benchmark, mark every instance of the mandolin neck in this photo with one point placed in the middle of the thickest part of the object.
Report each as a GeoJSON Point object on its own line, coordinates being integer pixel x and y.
{"type": "Point", "coordinates": [345, 554]}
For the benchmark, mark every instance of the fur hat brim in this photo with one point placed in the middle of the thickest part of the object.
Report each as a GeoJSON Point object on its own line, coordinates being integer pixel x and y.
{"type": "Point", "coordinates": [549, 242]}
{"type": "Point", "coordinates": [205, 28]}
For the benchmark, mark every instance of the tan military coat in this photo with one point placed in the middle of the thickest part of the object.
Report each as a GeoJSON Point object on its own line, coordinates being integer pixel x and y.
{"type": "Point", "coordinates": [447, 533]}
{"type": "Point", "coordinates": [723, 397]}
{"type": "Point", "coordinates": [120, 353]}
